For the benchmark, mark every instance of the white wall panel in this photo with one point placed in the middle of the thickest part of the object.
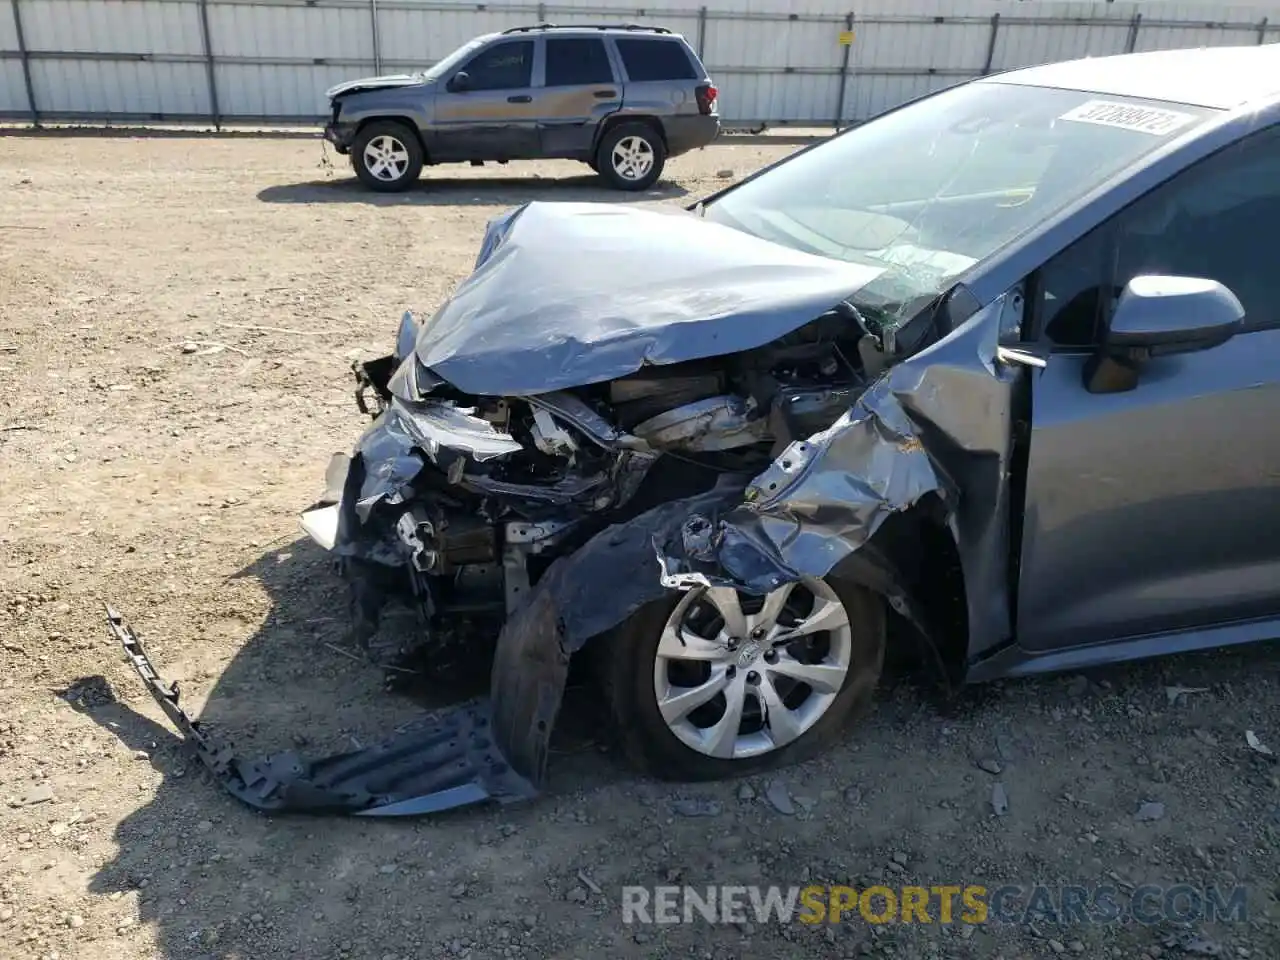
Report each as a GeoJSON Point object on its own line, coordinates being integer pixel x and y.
{"type": "Point", "coordinates": [8, 37]}
{"type": "Point", "coordinates": [799, 97]}
{"type": "Point", "coordinates": [249, 90]}
{"type": "Point", "coordinates": [112, 26]}
{"type": "Point", "coordinates": [13, 92]}
{"type": "Point", "coordinates": [773, 60]}
{"type": "Point", "coordinates": [115, 86]}
{"type": "Point", "coordinates": [303, 33]}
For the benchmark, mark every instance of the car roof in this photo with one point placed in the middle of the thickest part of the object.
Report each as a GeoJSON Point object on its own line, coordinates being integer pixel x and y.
{"type": "Point", "coordinates": [1223, 78]}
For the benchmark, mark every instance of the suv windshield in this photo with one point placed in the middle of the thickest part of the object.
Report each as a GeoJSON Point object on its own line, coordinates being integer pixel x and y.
{"type": "Point", "coordinates": [454, 60]}
{"type": "Point", "coordinates": [928, 190]}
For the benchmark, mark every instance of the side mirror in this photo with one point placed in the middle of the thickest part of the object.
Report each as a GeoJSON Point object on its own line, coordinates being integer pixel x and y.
{"type": "Point", "coordinates": [1158, 316]}
{"type": "Point", "coordinates": [459, 81]}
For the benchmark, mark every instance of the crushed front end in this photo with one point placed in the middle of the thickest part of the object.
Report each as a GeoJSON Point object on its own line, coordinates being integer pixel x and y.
{"type": "Point", "coordinates": [556, 448]}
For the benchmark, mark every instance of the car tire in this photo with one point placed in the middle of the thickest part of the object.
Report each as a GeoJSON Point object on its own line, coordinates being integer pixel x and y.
{"type": "Point", "coordinates": [387, 156]}
{"type": "Point", "coordinates": [630, 667]}
{"type": "Point", "coordinates": [631, 156]}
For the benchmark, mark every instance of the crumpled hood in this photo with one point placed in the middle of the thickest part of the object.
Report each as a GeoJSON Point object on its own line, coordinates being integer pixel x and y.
{"type": "Point", "coordinates": [373, 83]}
{"type": "Point", "coordinates": [567, 294]}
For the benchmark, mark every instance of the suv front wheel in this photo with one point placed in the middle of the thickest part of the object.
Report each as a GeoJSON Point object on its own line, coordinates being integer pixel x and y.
{"type": "Point", "coordinates": [631, 156]}
{"type": "Point", "coordinates": [387, 156]}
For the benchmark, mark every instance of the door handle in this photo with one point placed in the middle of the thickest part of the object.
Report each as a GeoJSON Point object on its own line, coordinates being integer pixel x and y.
{"type": "Point", "coordinates": [520, 98]}
{"type": "Point", "coordinates": [605, 94]}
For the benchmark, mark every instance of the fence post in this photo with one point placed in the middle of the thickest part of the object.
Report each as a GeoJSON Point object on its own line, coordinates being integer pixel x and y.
{"type": "Point", "coordinates": [377, 39]}
{"type": "Point", "coordinates": [210, 73]}
{"type": "Point", "coordinates": [1134, 24]}
{"type": "Point", "coordinates": [844, 74]}
{"type": "Point", "coordinates": [26, 65]}
{"type": "Point", "coordinates": [702, 31]}
{"type": "Point", "coordinates": [1262, 30]}
{"type": "Point", "coordinates": [991, 43]}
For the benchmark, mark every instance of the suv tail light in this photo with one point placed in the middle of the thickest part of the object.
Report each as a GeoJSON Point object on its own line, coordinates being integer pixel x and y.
{"type": "Point", "coordinates": [706, 95]}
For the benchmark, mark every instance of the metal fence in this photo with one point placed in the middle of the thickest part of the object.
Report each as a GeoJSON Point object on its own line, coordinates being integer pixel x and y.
{"type": "Point", "coordinates": [243, 62]}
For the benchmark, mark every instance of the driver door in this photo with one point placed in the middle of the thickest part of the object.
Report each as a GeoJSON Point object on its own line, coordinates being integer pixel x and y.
{"type": "Point", "coordinates": [493, 115]}
{"type": "Point", "coordinates": [1158, 508]}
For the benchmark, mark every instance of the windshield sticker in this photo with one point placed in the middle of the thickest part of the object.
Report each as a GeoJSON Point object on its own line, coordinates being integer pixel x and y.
{"type": "Point", "coordinates": [1107, 113]}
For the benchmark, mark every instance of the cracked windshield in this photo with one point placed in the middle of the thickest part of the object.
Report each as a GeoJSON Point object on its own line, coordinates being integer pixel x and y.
{"type": "Point", "coordinates": [928, 190]}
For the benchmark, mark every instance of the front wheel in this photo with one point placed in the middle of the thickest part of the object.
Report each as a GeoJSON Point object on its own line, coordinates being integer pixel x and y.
{"type": "Point", "coordinates": [631, 156]}
{"type": "Point", "coordinates": [718, 683]}
{"type": "Point", "coordinates": [387, 156]}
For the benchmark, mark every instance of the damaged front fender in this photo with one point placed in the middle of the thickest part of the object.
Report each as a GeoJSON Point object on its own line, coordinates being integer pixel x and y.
{"type": "Point", "coordinates": [939, 423]}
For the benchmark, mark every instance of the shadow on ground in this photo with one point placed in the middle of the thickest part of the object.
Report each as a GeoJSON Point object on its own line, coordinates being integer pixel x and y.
{"type": "Point", "coordinates": [458, 191]}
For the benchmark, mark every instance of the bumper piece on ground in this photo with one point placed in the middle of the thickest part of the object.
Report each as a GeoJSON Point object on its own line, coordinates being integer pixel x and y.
{"type": "Point", "coordinates": [444, 760]}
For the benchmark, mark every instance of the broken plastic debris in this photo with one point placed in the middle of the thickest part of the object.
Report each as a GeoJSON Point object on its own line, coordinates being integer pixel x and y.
{"type": "Point", "coordinates": [999, 799]}
{"type": "Point", "coordinates": [1152, 810]}
{"type": "Point", "coordinates": [1257, 745]}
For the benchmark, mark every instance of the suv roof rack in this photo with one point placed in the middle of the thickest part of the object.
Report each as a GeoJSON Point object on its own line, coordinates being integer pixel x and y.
{"type": "Point", "coordinates": [586, 26]}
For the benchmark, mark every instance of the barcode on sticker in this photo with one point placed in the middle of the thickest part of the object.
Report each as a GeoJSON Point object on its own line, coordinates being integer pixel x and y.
{"type": "Point", "coordinates": [1107, 113]}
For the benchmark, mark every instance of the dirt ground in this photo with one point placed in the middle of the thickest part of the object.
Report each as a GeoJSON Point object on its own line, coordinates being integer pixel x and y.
{"type": "Point", "coordinates": [177, 317]}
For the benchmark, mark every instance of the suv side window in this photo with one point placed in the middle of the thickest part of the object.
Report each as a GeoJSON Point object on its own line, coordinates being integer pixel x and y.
{"type": "Point", "coordinates": [577, 61]}
{"type": "Point", "coordinates": [1219, 219]}
{"type": "Point", "coordinates": [655, 59]}
{"type": "Point", "coordinates": [504, 66]}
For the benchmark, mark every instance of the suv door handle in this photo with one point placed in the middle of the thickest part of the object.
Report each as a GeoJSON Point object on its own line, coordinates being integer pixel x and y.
{"type": "Point", "coordinates": [520, 98]}
{"type": "Point", "coordinates": [605, 94]}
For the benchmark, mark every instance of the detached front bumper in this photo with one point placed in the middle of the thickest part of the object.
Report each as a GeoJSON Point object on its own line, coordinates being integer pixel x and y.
{"type": "Point", "coordinates": [444, 760]}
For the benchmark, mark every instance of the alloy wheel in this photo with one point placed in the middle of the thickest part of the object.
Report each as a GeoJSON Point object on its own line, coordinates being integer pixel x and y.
{"type": "Point", "coordinates": [632, 158]}
{"type": "Point", "coordinates": [386, 158]}
{"type": "Point", "coordinates": [738, 676]}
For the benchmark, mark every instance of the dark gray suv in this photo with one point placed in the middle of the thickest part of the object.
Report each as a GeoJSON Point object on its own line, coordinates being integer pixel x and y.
{"type": "Point", "coordinates": [620, 98]}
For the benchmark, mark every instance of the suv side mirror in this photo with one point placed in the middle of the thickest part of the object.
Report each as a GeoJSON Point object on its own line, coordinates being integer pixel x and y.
{"type": "Point", "coordinates": [459, 81]}
{"type": "Point", "coordinates": [1158, 316]}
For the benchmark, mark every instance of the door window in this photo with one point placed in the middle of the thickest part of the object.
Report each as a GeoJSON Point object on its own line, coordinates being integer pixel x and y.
{"type": "Point", "coordinates": [504, 66]}
{"type": "Point", "coordinates": [1219, 219]}
{"type": "Point", "coordinates": [577, 61]}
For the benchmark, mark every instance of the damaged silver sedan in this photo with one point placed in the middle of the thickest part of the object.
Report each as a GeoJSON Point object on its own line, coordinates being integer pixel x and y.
{"type": "Point", "coordinates": [925, 382]}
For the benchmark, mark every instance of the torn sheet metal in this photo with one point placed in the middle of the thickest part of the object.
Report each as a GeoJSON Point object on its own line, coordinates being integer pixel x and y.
{"type": "Point", "coordinates": [817, 503]}
{"type": "Point", "coordinates": [531, 320]}
{"type": "Point", "coordinates": [938, 423]}
{"type": "Point", "coordinates": [444, 760]}
{"type": "Point", "coordinates": [441, 426]}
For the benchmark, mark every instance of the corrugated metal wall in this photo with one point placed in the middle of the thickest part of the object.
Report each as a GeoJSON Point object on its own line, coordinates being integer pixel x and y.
{"type": "Point", "coordinates": [778, 61]}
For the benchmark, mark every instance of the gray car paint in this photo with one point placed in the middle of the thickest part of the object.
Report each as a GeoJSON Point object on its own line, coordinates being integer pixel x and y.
{"type": "Point", "coordinates": [562, 121]}
{"type": "Point", "coordinates": [678, 288]}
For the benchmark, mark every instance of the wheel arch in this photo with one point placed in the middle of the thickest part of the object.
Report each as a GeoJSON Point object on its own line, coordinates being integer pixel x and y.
{"type": "Point", "coordinates": [914, 563]}
{"type": "Point", "coordinates": [615, 120]}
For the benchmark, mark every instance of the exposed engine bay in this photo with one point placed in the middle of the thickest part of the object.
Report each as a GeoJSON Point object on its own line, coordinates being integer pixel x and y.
{"type": "Point", "coordinates": [508, 484]}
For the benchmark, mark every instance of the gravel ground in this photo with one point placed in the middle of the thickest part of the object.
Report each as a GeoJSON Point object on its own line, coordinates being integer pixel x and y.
{"type": "Point", "coordinates": [176, 320]}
